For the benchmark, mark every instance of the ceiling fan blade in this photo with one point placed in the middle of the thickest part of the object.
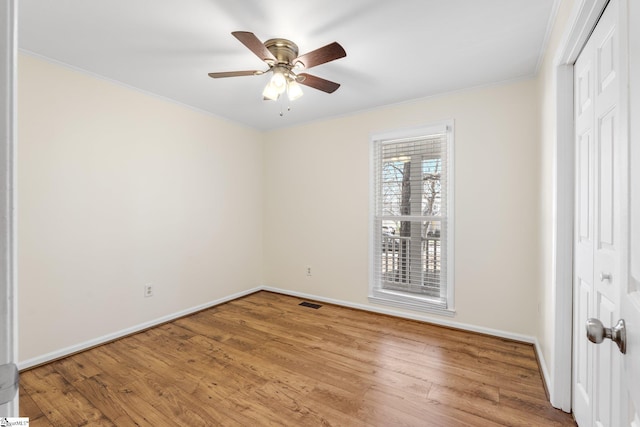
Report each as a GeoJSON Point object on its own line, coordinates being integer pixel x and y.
{"type": "Point", "coordinates": [254, 45]}
{"type": "Point", "coordinates": [235, 74]}
{"type": "Point", "coordinates": [322, 55]}
{"type": "Point", "coordinates": [317, 83]}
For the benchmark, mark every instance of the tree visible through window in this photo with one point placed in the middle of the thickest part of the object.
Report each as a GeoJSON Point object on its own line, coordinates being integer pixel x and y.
{"type": "Point", "coordinates": [411, 219]}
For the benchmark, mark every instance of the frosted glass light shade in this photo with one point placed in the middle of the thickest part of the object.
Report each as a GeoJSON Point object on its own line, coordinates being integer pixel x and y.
{"type": "Point", "coordinates": [294, 90]}
{"type": "Point", "coordinates": [278, 81]}
{"type": "Point", "coordinates": [270, 92]}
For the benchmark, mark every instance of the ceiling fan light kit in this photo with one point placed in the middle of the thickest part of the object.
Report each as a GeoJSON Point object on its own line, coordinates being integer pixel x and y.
{"type": "Point", "coordinates": [279, 83]}
{"type": "Point", "coordinates": [281, 55]}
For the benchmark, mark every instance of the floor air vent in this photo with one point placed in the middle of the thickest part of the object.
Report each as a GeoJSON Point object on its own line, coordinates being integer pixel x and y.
{"type": "Point", "coordinates": [310, 305]}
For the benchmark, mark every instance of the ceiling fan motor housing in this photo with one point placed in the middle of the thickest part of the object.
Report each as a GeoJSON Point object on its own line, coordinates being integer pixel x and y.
{"type": "Point", "coordinates": [285, 51]}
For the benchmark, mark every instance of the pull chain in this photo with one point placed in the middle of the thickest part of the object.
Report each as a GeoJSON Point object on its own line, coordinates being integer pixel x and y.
{"type": "Point", "coordinates": [282, 104]}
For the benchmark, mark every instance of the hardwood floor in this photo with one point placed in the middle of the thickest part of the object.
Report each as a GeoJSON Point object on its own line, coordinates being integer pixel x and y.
{"type": "Point", "coordinates": [265, 360]}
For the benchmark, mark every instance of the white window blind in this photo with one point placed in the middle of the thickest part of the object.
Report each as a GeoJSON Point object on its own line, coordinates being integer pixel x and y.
{"type": "Point", "coordinates": [411, 222]}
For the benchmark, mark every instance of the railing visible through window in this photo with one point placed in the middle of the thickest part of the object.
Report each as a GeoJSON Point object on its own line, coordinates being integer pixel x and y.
{"type": "Point", "coordinates": [396, 258]}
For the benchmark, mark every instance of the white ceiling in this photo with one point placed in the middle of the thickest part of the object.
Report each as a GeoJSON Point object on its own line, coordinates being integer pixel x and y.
{"type": "Point", "coordinates": [396, 50]}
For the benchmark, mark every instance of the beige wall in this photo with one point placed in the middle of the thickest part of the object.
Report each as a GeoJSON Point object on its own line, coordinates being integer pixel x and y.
{"type": "Point", "coordinates": [118, 189]}
{"type": "Point", "coordinates": [317, 203]}
{"type": "Point", "coordinates": [547, 93]}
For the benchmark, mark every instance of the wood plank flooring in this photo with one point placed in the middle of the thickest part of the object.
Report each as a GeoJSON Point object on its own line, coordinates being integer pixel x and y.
{"type": "Point", "coordinates": [265, 360]}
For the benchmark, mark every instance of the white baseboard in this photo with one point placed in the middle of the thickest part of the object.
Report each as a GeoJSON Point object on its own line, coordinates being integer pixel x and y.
{"type": "Point", "coordinates": [543, 367]}
{"type": "Point", "coordinates": [391, 312]}
{"type": "Point", "coordinates": [45, 358]}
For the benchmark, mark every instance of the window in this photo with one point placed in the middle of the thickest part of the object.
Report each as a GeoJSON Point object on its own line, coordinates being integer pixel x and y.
{"type": "Point", "coordinates": [412, 219]}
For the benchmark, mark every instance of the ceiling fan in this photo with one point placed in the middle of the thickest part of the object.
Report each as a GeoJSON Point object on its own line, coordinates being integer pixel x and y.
{"type": "Point", "coordinates": [281, 55]}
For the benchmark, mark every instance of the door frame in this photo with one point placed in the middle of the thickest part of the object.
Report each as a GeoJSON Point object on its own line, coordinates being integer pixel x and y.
{"type": "Point", "coordinates": [8, 190]}
{"type": "Point", "coordinates": [583, 19]}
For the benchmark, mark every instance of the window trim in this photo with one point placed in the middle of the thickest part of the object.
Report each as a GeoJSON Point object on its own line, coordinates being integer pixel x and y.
{"type": "Point", "coordinates": [407, 300]}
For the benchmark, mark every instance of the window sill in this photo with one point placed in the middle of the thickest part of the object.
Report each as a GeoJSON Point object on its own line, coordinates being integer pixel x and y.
{"type": "Point", "coordinates": [409, 302]}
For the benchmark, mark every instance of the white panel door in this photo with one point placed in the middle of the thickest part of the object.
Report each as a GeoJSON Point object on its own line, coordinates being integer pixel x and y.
{"type": "Point", "coordinates": [600, 237]}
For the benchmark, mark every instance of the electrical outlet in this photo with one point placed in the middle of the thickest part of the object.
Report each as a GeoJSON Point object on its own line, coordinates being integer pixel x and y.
{"type": "Point", "coordinates": [148, 291]}
{"type": "Point", "coordinates": [308, 269]}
